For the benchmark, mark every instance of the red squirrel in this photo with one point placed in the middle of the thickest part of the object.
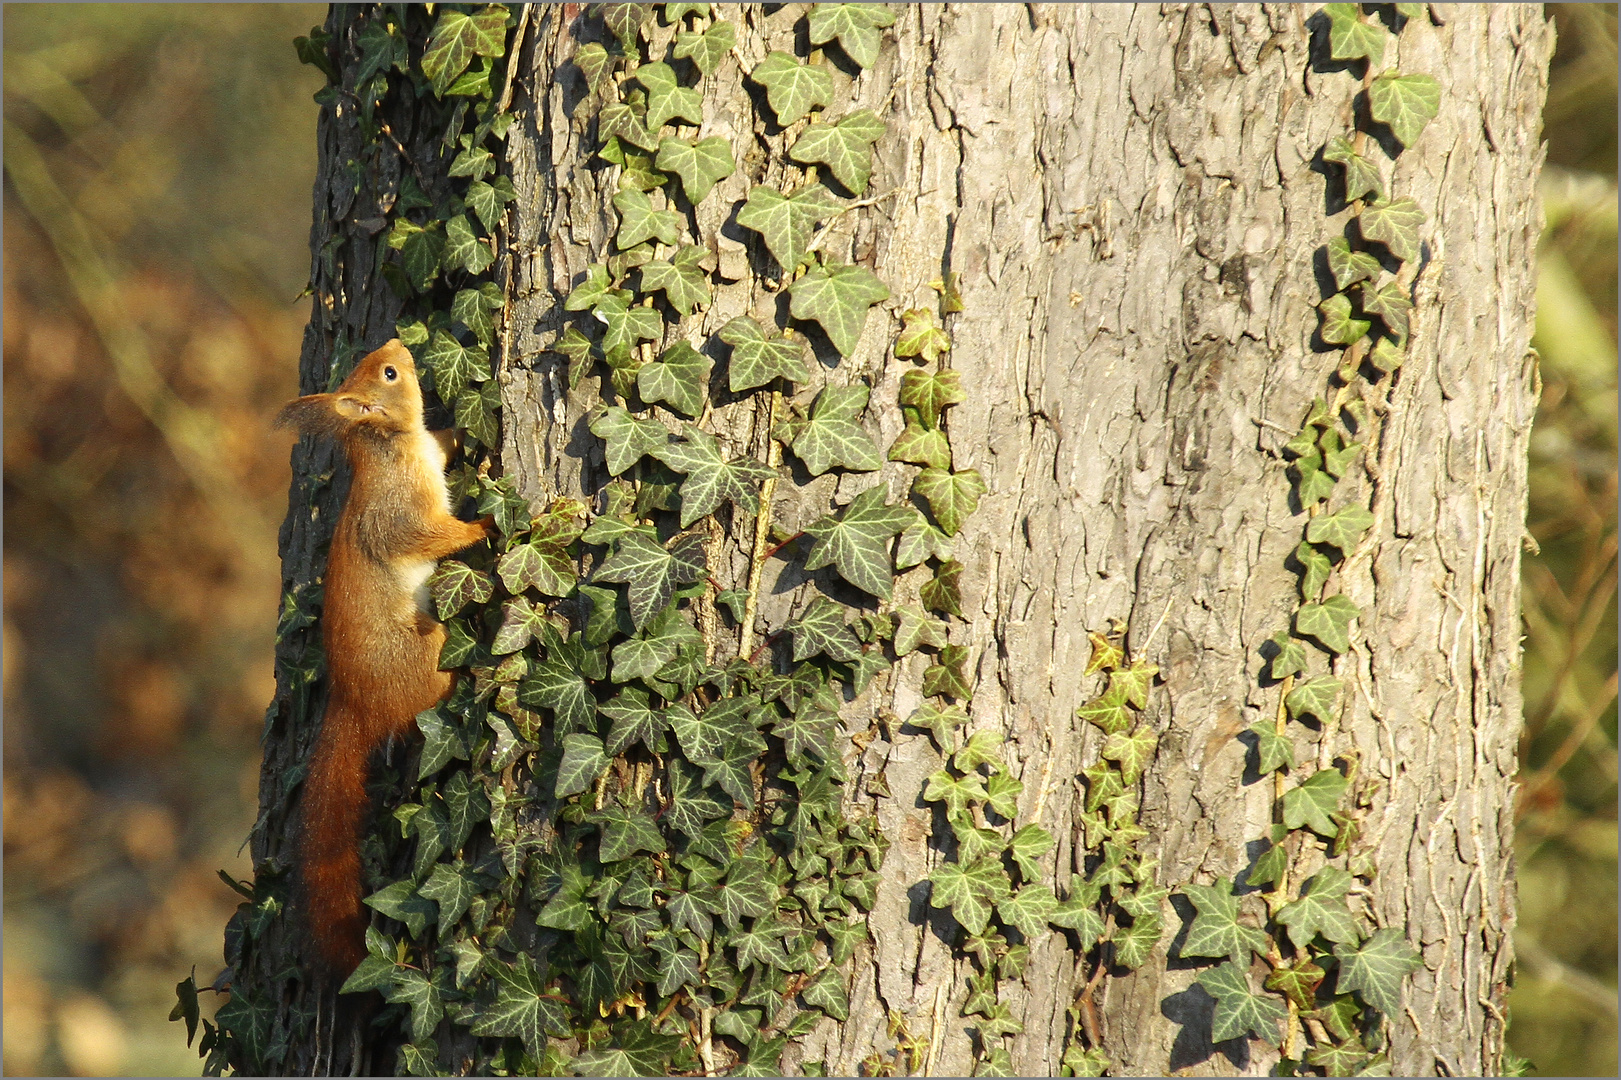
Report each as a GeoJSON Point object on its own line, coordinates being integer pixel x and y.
{"type": "Point", "coordinates": [381, 638]}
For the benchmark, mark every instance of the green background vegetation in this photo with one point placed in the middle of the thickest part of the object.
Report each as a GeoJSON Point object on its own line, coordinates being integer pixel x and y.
{"type": "Point", "coordinates": [158, 169]}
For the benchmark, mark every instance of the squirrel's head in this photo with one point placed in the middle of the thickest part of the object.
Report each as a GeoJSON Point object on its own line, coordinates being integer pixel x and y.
{"type": "Point", "coordinates": [380, 396]}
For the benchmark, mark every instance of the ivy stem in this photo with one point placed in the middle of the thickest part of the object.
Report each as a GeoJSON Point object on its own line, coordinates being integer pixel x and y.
{"type": "Point", "coordinates": [762, 531]}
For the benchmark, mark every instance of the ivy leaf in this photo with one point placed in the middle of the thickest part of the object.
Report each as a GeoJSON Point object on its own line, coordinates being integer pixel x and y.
{"type": "Point", "coordinates": [921, 540]}
{"type": "Point", "coordinates": [1290, 659]}
{"type": "Point", "coordinates": [951, 496]}
{"type": "Point", "coordinates": [522, 1008]}
{"type": "Point", "coordinates": [808, 732]}
{"type": "Point", "coordinates": [667, 99]}
{"type": "Point", "coordinates": [914, 629]}
{"type": "Point", "coordinates": [921, 337]}
{"type": "Point", "coordinates": [556, 685]}
{"type": "Point", "coordinates": [627, 437]}
{"type": "Point", "coordinates": [827, 993]}
{"type": "Point", "coordinates": [710, 478]}
{"type": "Point", "coordinates": [424, 994]}
{"type": "Point", "coordinates": [700, 163]}
{"type": "Point", "coordinates": [1393, 224]}
{"type": "Point", "coordinates": [1386, 356]}
{"type": "Point", "coordinates": [1132, 751]}
{"type": "Point", "coordinates": [1001, 790]}
{"type": "Point", "coordinates": [625, 832]}
{"type": "Point", "coordinates": [1135, 943]}
{"type": "Point", "coordinates": [685, 283]}
{"type": "Point", "coordinates": [1328, 622]}
{"type": "Point", "coordinates": [844, 147]}
{"type": "Point", "coordinates": [617, 120]}
{"type": "Point", "coordinates": [793, 88]}
{"type": "Point", "coordinates": [946, 676]}
{"type": "Point", "coordinates": [639, 657]}
{"type": "Point", "coordinates": [1216, 930]}
{"type": "Point", "coordinates": [708, 49]}
{"type": "Point", "coordinates": [1317, 570]}
{"type": "Point", "coordinates": [1315, 484]}
{"type": "Point", "coordinates": [1339, 327]}
{"type": "Point", "coordinates": [832, 437]}
{"type": "Point", "coordinates": [929, 392]}
{"type": "Point", "coordinates": [749, 891]}
{"type": "Point", "coordinates": [421, 250]}
{"type": "Point", "coordinates": [785, 221]}
{"type": "Point", "coordinates": [583, 761]}
{"type": "Point", "coordinates": [653, 571]}
{"type": "Point", "coordinates": [626, 326]}
{"type": "Point", "coordinates": [1298, 982]}
{"type": "Point", "coordinates": [1377, 967]}
{"type": "Point", "coordinates": [1315, 697]}
{"type": "Point", "coordinates": [1134, 681]}
{"type": "Point", "coordinates": [474, 161]}
{"type": "Point", "coordinates": [921, 446]}
{"type": "Point", "coordinates": [940, 722]}
{"type": "Point", "coordinates": [1029, 909]}
{"type": "Point", "coordinates": [1349, 38]}
{"type": "Point", "coordinates": [588, 293]}
{"type": "Point", "coordinates": [857, 26]}
{"type": "Point", "coordinates": [1405, 103]}
{"type": "Point", "coordinates": [472, 308]}
{"type": "Point", "coordinates": [691, 803]}
{"type": "Point", "coordinates": [1349, 266]}
{"type": "Point", "coordinates": [400, 901]}
{"type": "Point", "coordinates": [1361, 178]}
{"type": "Point", "coordinates": [953, 790]}
{"type": "Point", "coordinates": [971, 891]}
{"type": "Point", "coordinates": [856, 544]}
{"type": "Point", "coordinates": [1321, 909]}
{"type": "Point", "coordinates": [1391, 304]}
{"type": "Point", "coordinates": [454, 585]}
{"type": "Point", "coordinates": [838, 298]}
{"type": "Point", "coordinates": [1314, 802]}
{"type": "Point", "coordinates": [454, 367]}
{"type": "Point", "coordinates": [822, 630]}
{"type": "Point", "coordinates": [464, 248]}
{"type": "Point", "coordinates": [457, 38]}
{"type": "Point", "coordinates": [757, 359]}
{"type": "Point", "coordinates": [944, 592]}
{"type": "Point", "coordinates": [520, 623]}
{"type": "Point", "coordinates": [1027, 846]}
{"type": "Point", "coordinates": [1336, 457]}
{"type": "Point", "coordinates": [638, 221]}
{"type": "Point", "coordinates": [451, 886]}
{"type": "Point", "coordinates": [542, 566]}
{"type": "Point", "coordinates": [677, 378]}
{"type": "Point", "coordinates": [1272, 750]}
{"type": "Point", "coordinates": [1239, 1010]}
{"type": "Point", "coordinates": [1342, 529]}
{"type": "Point", "coordinates": [1271, 864]}
{"type": "Point", "coordinates": [594, 63]}
{"type": "Point", "coordinates": [636, 1050]}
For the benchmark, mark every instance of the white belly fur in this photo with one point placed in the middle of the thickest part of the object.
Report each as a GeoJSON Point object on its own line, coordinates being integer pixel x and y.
{"type": "Point", "coordinates": [414, 575]}
{"type": "Point", "coordinates": [414, 580]}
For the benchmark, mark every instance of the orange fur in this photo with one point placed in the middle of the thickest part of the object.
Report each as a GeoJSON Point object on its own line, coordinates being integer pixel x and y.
{"type": "Point", "coordinates": [382, 643]}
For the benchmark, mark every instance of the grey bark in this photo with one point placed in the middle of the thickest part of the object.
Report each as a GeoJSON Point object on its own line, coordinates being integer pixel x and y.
{"type": "Point", "coordinates": [1134, 199]}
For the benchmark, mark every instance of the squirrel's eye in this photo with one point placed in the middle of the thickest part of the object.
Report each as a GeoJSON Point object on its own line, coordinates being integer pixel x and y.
{"type": "Point", "coordinates": [390, 374]}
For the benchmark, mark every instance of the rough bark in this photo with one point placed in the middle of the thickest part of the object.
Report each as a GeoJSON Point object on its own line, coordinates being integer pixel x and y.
{"type": "Point", "coordinates": [1134, 199]}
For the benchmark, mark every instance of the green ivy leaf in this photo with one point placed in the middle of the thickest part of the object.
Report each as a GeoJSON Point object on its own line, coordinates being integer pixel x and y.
{"type": "Point", "coordinates": [477, 410]}
{"type": "Point", "coordinates": [692, 804]}
{"type": "Point", "coordinates": [793, 88]}
{"type": "Point", "coordinates": [454, 585]}
{"type": "Point", "coordinates": [457, 38]}
{"type": "Point", "coordinates": [1314, 802]}
{"type": "Point", "coordinates": [920, 337]}
{"type": "Point", "coordinates": [940, 722]}
{"type": "Point", "coordinates": [946, 675]}
{"type": "Point", "coordinates": [1135, 943]}
{"type": "Point", "coordinates": [450, 885]}
{"type": "Point", "coordinates": [1405, 103]}
{"type": "Point", "coordinates": [424, 994]}
{"type": "Point", "coordinates": [914, 629]}
{"type": "Point", "coordinates": [951, 496]}
{"type": "Point", "coordinates": [638, 221]}
{"type": "Point", "coordinates": [653, 571]}
{"type": "Point", "coordinates": [685, 283]}
{"type": "Point", "coordinates": [1376, 968]}
{"type": "Point", "coordinates": [1349, 266]}
{"type": "Point", "coordinates": [1315, 697]}
{"type": "Point", "coordinates": [845, 147]}
{"type": "Point", "coordinates": [1386, 356]}
{"type": "Point", "coordinates": [1342, 529]}
{"type": "Point", "coordinates": [1321, 909]}
{"type": "Point", "coordinates": [921, 540]}
{"type": "Point", "coordinates": [461, 648]}
{"type": "Point", "coordinates": [543, 566]}
{"type": "Point", "coordinates": [710, 478]}
{"type": "Point", "coordinates": [594, 63]}
{"type": "Point", "coordinates": [557, 685]}
{"type": "Point", "coordinates": [1329, 622]}
{"type": "Point", "coordinates": [785, 221]}
{"type": "Point", "coordinates": [1349, 38]}
{"type": "Point", "coordinates": [1391, 304]}
{"type": "Point", "coordinates": [464, 248]}
{"type": "Point", "coordinates": [1216, 930]}
{"type": "Point", "coordinates": [667, 99]}
{"type": "Point", "coordinates": [1029, 910]}
{"type": "Point", "coordinates": [1393, 224]}
{"type": "Point", "coordinates": [627, 437]}
{"type": "Point", "coordinates": [1271, 864]}
{"type": "Point", "coordinates": [1291, 656]}
{"type": "Point", "coordinates": [1134, 681]}
{"type": "Point", "coordinates": [636, 1050]}
{"type": "Point", "coordinates": [583, 761]}
{"type": "Point", "coordinates": [625, 832]}
{"type": "Point", "coordinates": [1239, 1010]}
{"type": "Point", "coordinates": [921, 446]}
{"type": "Point", "coordinates": [700, 163]}
{"type": "Point", "coordinates": [971, 891]}
{"type": "Point", "coordinates": [421, 249]}
{"type": "Point", "coordinates": [822, 630]}
{"type": "Point", "coordinates": [588, 293]}
{"type": "Point", "coordinates": [1337, 457]}
{"type": "Point", "coordinates": [678, 378]}
{"type": "Point", "coordinates": [944, 592]}
{"type": "Point", "coordinates": [521, 622]}
{"type": "Point", "coordinates": [1272, 750]}
{"type": "Point", "coordinates": [1361, 178]}
{"type": "Point", "coordinates": [1317, 568]}
{"type": "Point", "coordinates": [832, 437]}
{"type": "Point", "coordinates": [1298, 982]}
{"type": "Point", "coordinates": [827, 993]}
{"type": "Point", "coordinates": [619, 121]}
{"type": "Point", "coordinates": [1027, 847]}
{"type": "Point", "coordinates": [1133, 751]}
{"type": "Point", "coordinates": [856, 544]}
{"type": "Point", "coordinates": [522, 1009]}
{"type": "Point", "coordinates": [953, 790]}
{"type": "Point", "coordinates": [930, 392]}
{"type": "Point", "coordinates": [1339, 327]}
{"type": "Point", "coordinates": [758, 359]}
{"type": "Point", "coordinates": [472, 308]}
{"type": "Point", "coordinates": [400, 901]}
{"type": "Point", "coordinates": [474, 161]}
{"type": "Point", "coordinates": [858, 28]}
{"type": "Point", "coordinates": [454, 367]}
{"type": "Point", "coordinates": [640, 657]}
{"type": "Point", "coordinates": [1002, 792]}
{"type": "Point", "coordinates": [706, 50]}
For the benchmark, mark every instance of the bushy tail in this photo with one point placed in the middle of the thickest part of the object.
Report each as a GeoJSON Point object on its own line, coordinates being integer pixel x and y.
{"type": "Point", "coordinates": [334, 807]}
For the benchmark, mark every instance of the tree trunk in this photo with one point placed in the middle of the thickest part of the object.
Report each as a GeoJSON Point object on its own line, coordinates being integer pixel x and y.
{"type": "Point", "coordinates": [1136, 201]}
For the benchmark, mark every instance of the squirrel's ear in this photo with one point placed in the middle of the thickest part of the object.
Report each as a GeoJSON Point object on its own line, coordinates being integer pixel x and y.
{"type": "Point", "coordinates": [314, 414]}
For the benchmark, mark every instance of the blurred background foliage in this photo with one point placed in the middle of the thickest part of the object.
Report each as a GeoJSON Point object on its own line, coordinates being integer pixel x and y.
{"type": "Point", "coordinates": [158, 168]}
